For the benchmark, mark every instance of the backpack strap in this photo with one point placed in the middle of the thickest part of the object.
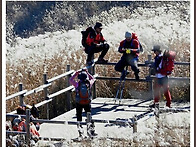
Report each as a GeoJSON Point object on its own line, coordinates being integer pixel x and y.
{"type": "Point", "coordinates": [140, 46]}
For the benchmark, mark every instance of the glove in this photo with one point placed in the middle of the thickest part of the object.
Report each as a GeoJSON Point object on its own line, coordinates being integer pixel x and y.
{"type": "Point", "coordinates": [128, 51]}
{"type": "Point", "coordinates": [101, 45]}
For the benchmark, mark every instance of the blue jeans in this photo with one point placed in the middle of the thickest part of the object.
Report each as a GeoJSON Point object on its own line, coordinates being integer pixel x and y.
{"type": "Point", "coordinates": [123, 62]}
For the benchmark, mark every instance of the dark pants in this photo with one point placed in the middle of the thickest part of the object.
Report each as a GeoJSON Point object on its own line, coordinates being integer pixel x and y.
{"type": "Point", "coordinates": [90, 50]}
{"type": "Point", "coordinates": [122, 63]}
{"type": "Point", "coordinates": [79, 109]}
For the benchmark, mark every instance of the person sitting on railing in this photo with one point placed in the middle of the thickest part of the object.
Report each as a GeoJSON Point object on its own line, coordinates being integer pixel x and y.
{"type": "Point", "coordinates": [130, 47]}
{"type": "Point", "coordinates": [83, 96]}
{"type": "Point", "coordinates": [161, 80]}
{"type": "Point", "coordinates": [94, 42]}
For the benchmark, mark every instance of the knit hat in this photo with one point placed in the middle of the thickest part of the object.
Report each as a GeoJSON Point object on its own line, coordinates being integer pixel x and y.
{"type": "Point", "coordinates": [157, 48]}
{"type": "Point", "coordinates": [97, 25]}
{"type": "Point", "coordinates": [128, 35]}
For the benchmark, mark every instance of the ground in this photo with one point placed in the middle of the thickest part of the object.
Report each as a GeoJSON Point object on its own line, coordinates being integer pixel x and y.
{"type": "Point", "coordinates": [106, 109]}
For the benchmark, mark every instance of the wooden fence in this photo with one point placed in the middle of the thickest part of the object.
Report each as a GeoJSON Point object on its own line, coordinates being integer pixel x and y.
{"type": "Point", "coordinates": [48, 98]}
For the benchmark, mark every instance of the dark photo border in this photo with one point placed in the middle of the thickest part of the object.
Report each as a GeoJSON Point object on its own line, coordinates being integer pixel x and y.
{"type": "Point", "coordinates": [1, 70]}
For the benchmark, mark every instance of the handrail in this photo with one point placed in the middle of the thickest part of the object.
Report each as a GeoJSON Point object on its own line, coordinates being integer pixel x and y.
{"type": "Point", "coordinates": [141, 80]}
{"type": "Point", "coordinates": [16, 94]}
{"type": "Point", "coordinates": [146, 62]}
{"type": "Point", "coordinates": [15, 132]}
{"type": "Point", "coordinates": [60, 92]}
{"type": "Point", "coordinates": [38, 89]}
{"type": "Point", "coordinates": [60, 76]}
{"type": "Point", "coordinates": [48, 82]}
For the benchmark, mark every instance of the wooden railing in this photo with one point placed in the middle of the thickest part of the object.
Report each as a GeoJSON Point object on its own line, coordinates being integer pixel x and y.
{"type": "Point", "coordinates": [48, 98]}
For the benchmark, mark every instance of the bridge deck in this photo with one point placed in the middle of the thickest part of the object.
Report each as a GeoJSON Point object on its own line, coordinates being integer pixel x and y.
{"type": "Point", "coordinates": [102, 109]}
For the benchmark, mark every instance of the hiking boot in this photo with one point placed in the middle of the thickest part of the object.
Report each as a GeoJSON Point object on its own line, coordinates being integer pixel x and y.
{"type": "Point", "coordinates": [80, 129]}
{"type": "Point", "coordinates": [101, 61]}
{"type": "Point", "coordinates": [93, 133]}
{"type": "Point", "coordinates": [91, 129]}
{"type": "Point", "coordinates": [168, 105]}
{"type": "Point", "coordinates": [124, 74]}
{"type": "Point", "coordinates": [152, 105]}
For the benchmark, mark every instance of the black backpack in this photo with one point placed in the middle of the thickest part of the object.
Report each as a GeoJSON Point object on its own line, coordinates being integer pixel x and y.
{"type": "Point", "coordinates": [85, 35]}
{"type": "Point", "coordinates": [35, 111]}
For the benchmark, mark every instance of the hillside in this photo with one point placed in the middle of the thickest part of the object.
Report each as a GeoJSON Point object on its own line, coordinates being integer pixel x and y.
{"type": "Point", "coordinates": [164, 23]}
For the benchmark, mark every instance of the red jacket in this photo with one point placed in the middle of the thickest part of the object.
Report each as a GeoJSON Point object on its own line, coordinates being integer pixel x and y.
{"type": "Point", "coordinates": [133, 44]}
{"type": "Point", "coordinates": [22, 128]}
{"type": "Point", "coordinates": [94, 38]}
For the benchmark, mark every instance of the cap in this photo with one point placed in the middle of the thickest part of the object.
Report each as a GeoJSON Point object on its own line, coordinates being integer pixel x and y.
{"type": "Point", "coordinates": [97, 25]}
{"type": "Point", "coordinates": [157, 48]}
{"type": "Point", "coordinates": [128, 35]}
{"type": "Point", "coordinates": [82, 76]}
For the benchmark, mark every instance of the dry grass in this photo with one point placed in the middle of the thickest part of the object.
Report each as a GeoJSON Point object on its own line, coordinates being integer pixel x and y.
{"type": "Point", "coordinates": [31, 76]}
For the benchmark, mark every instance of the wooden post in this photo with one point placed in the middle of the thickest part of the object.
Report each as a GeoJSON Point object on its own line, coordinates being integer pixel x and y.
{"type": "Point", "coordinates": [68, 92]}
{"type": "Point", "coordinates": [150, 83]}
{"type": "Point", "coordinates": [21, 96]}
{"type": "Point", "coordinates": [46, 95]}
{"type": "Point", "coordinates": [157, 110]}
{"type": "Point", "coordinates": [157, 131]}
{"type": "Point", "coordinates": [88, 115]}
{"type": "Point", "coordinates": [135, 130]}
{"type": "Point", "coordinates": [149, 58]}
{"type": "Point", "coordinates": [94, 85]}
{"type": "Point", "coordinates": [28, 127]}
{"type": "Point", "coordinates": [135, 124]}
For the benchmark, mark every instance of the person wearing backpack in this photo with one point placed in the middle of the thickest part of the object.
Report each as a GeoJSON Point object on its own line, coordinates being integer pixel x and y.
{"type": "Point", "coordinates": [83, 97]}
{"type": "Point", "coordinates": [161, 80]}
{"type": "Point", "coordinates": [94, 42]}
{"type": "Point", "coordinates": [130, 48]}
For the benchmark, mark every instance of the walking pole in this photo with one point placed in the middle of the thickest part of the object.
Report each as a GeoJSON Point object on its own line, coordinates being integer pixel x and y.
{"type": "Point", "coordinates": [123, 86]}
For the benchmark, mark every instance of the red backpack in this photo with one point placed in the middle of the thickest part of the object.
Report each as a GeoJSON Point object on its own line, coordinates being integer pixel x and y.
{"type": "Point", "coordinates": [168, 62]}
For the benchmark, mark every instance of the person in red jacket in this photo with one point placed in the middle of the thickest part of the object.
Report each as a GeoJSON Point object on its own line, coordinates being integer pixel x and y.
{"type": "Point", "coordinates": [161, 80]}
{"type": "Point", "coordinates": [130, 49]}
{"type": "Point", "coordinates": [95, 43]}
